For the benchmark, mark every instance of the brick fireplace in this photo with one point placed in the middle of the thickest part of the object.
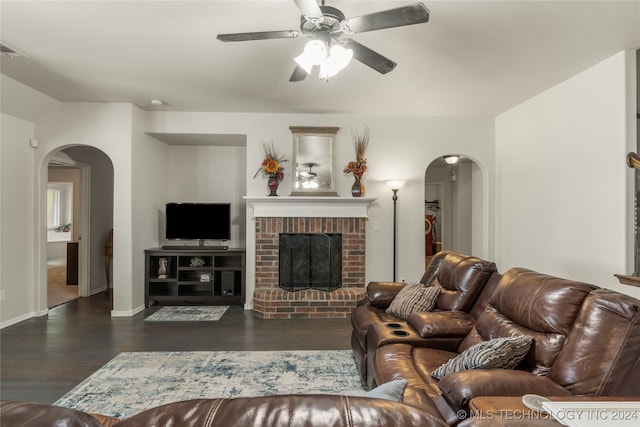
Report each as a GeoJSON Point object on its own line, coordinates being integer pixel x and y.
{"type": "Point", "coordinates": [308, 215]}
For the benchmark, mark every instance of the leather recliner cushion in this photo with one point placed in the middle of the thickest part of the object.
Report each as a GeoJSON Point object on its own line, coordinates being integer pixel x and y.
{"type": "Point", "coordinates": [460, 277]}
{"type": "Point", "coordinates": [530, 303]}
{"type": "Point", "coordinates": [601, 355]}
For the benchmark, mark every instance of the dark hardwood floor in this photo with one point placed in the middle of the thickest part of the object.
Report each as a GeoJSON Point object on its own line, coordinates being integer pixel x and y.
{"type": "Point", "coordinates": [43, 358]}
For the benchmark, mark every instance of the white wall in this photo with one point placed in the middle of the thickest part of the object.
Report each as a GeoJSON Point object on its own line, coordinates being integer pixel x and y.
{"type": "Point", "coordinates": [216, 174]}
{"type": "Point", "coordinates": [462, 208]}
{"type": "Point", "coordinates": [400, 147]}
{"type": "Point", "coordinates": [16, 221]}
{"type": "Point", "coordinates": [562, 200]}
{"type": "Point", "coordinates": [150, 182]}
{"type": "Point", "coordinates": [478, 209]}
{"type": "Point", "coordinates": [107, 127]}
{"type": "Point", "coordinates": [562, 186]}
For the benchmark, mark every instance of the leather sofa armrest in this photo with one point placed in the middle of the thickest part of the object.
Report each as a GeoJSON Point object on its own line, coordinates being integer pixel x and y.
{"type": "Point", "coordinates": [460, 387]}
{"type": "Point", "coordinates": [15, 413]}
{"type": "Point", "coordinates": [380, 294]}
{"type": "Point", "coordinates": [432, 324]}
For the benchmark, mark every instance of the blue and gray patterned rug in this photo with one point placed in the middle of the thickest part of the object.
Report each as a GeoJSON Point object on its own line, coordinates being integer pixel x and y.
{"type": "Point", "coordinates": [187, 314]}
{"type": "Point", "coordinates": [133, 382]}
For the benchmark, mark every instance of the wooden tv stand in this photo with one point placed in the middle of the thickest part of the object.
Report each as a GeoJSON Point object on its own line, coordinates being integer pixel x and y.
{"type": "Point", "coordinates": [209, 276]}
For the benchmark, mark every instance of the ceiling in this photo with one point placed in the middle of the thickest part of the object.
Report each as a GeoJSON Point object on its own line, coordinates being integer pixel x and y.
{"type": "Point", "coordinates": [471, 58]}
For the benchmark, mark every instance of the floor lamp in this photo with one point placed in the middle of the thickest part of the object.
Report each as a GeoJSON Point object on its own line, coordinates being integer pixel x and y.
{"type": "Point", "coordinates": [395, 185]}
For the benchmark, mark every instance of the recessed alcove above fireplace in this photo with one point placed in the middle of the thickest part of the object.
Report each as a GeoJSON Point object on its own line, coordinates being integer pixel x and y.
{"type": "Point", "coordinates": [309, 216]}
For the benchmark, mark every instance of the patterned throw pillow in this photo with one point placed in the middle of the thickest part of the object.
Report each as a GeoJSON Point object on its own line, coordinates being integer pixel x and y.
{"type": "Point", "coordinates": [414, 298]}
{"type": "Point", "coordinates": [504, 353]}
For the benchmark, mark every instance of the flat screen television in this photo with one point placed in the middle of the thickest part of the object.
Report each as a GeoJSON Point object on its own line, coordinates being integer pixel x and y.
{"type": "Point", "coordinates": [198, 221]}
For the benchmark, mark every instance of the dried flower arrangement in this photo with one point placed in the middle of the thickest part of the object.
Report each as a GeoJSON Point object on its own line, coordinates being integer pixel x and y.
{"type": "Point", "coordinates": [360, 143]}
{"type": "Point", "coordinates": [271, 165]}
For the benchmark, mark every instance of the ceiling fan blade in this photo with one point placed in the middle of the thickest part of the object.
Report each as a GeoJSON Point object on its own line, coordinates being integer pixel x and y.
{"type": "Point", "coordinates": [261, 35]}
{"type": "Point", "coordinates": [298, 75]}
{"type": "Point", "coordinates": [369, 57]}
{"type": "Point", "coordinates": [416, 13]}
{"type": "Point", "coordinates": [309, 8]}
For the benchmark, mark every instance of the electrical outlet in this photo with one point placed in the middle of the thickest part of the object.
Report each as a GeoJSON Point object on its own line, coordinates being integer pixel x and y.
{"type": "Point", "coordinates": [2, 296]}
{"type": "Point", "coordinates": [376, 226]}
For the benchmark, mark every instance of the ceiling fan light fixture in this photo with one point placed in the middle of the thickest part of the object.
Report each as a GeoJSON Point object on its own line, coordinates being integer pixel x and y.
{"type": "Point", "coordinates": [340, 56]}
{"type": "Point", "coordinates": [338, 59]}
{"type": "Point", "coordinates": [305, 62]}
{"type": "Point", "coordinates": [325, 24]}
{"type": "Point", "coordinates": [314, 53]}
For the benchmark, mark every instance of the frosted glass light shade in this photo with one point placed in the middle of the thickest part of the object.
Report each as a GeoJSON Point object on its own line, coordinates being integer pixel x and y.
{"type": "Point", "coordinates": [314, 53]}
{"type": "Point", "coordinates": [395, 184]}
{"type": "Point", "coordinates": [339, 57]}
{"type": "Point", "coordinates": [452, 160]}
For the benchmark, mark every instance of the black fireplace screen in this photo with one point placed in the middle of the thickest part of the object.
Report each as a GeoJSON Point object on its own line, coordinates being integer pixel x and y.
{"type": "Point", "coordinates": [310, 261]}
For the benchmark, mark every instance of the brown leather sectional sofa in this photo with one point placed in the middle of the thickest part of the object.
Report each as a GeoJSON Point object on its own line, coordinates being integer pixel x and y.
{"type": "Point", "coordinates": [586, 342]}
{"type": "Point", "coordinates": [586, 339]}
{"type": "Point", "coordinates": [270, 411]}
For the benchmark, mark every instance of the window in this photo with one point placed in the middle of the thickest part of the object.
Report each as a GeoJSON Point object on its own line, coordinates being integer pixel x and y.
{"type": "Point", "coordinates": [59, 210]}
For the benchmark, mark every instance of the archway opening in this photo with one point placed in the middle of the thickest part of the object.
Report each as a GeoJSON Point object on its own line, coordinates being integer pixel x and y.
{"type": "Point", "coordinates": [454, 206]}
{"type": "Point", "coordinates": [91, 175]}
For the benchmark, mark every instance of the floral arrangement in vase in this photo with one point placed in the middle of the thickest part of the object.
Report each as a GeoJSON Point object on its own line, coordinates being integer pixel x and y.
{"type": "Point", "coordinates": [358, 166]}
{"type": "Point", "coordinates": [271, 167]}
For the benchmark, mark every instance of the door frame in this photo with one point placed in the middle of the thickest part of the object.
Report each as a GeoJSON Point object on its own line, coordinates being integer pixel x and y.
{"type": "Point", "coordinates": [84, 234]}
{"type": "Point", "coordinates": [84, 237]}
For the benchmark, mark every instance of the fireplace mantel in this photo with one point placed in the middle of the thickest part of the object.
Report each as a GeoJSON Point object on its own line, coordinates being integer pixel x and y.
{"type": "Point", "coordinates": [309, 206]}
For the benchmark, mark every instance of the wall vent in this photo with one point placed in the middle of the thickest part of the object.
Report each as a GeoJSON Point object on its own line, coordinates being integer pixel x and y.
{"type": "Point", "coordinates": [10, 52]}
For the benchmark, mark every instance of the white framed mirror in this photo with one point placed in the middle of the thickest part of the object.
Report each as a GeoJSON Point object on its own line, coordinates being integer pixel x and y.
{"type": "Point", "coordinates": [314, 174]}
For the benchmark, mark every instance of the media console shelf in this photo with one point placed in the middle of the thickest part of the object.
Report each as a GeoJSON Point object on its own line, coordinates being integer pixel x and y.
{"type": "Point", "coordinates": [211, 276]}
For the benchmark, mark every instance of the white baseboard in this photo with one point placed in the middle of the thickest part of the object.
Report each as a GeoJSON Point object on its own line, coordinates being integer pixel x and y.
{"type": "Point", "coordinates": [18, 319]}
{"type": "Point", "coordinates": [97, 291]}
{"type": "Point", "coordinates": [127, 313]}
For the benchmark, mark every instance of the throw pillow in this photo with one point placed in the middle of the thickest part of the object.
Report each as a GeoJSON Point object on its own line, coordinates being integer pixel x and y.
{"type": "Point", "coordinates": [413, 298]}
{"type": "Point", "coordinates": [393, 390]}
{"type": "Point", "coordinates": [504, 353]}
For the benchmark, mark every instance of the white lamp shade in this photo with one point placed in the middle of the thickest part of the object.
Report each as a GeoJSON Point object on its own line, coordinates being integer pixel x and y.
{"type": "Point", "coordinates": [451, 159]}
{"type": "Point", "coordinates": [331, 62]}
{"type": "Point", "coordinates": [339, 57]}
{"type": "Point", "coordinates": [395, 184]}
{"type": "Point", "coordinates": [314, 53]}
{"type": "Point", "coordinates": [304, 62]}
{"type": "Point", "coordinates": [328, 69]}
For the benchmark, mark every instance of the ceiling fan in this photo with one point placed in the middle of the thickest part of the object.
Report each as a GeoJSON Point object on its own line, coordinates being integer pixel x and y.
{"type": "Point", "coordinates": [324, 25]}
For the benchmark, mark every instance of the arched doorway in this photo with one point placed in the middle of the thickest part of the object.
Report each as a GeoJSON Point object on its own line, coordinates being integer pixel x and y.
{"type": "Point", "coordinates": [93, 218]}
{"type": "Point", "coordinates": [455, 214]}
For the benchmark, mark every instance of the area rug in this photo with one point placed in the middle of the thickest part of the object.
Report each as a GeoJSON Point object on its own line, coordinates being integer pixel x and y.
{"type": "Point", "coordinates": [133, 382]}
{"type": "Point", "coordinates": [187, 314]}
